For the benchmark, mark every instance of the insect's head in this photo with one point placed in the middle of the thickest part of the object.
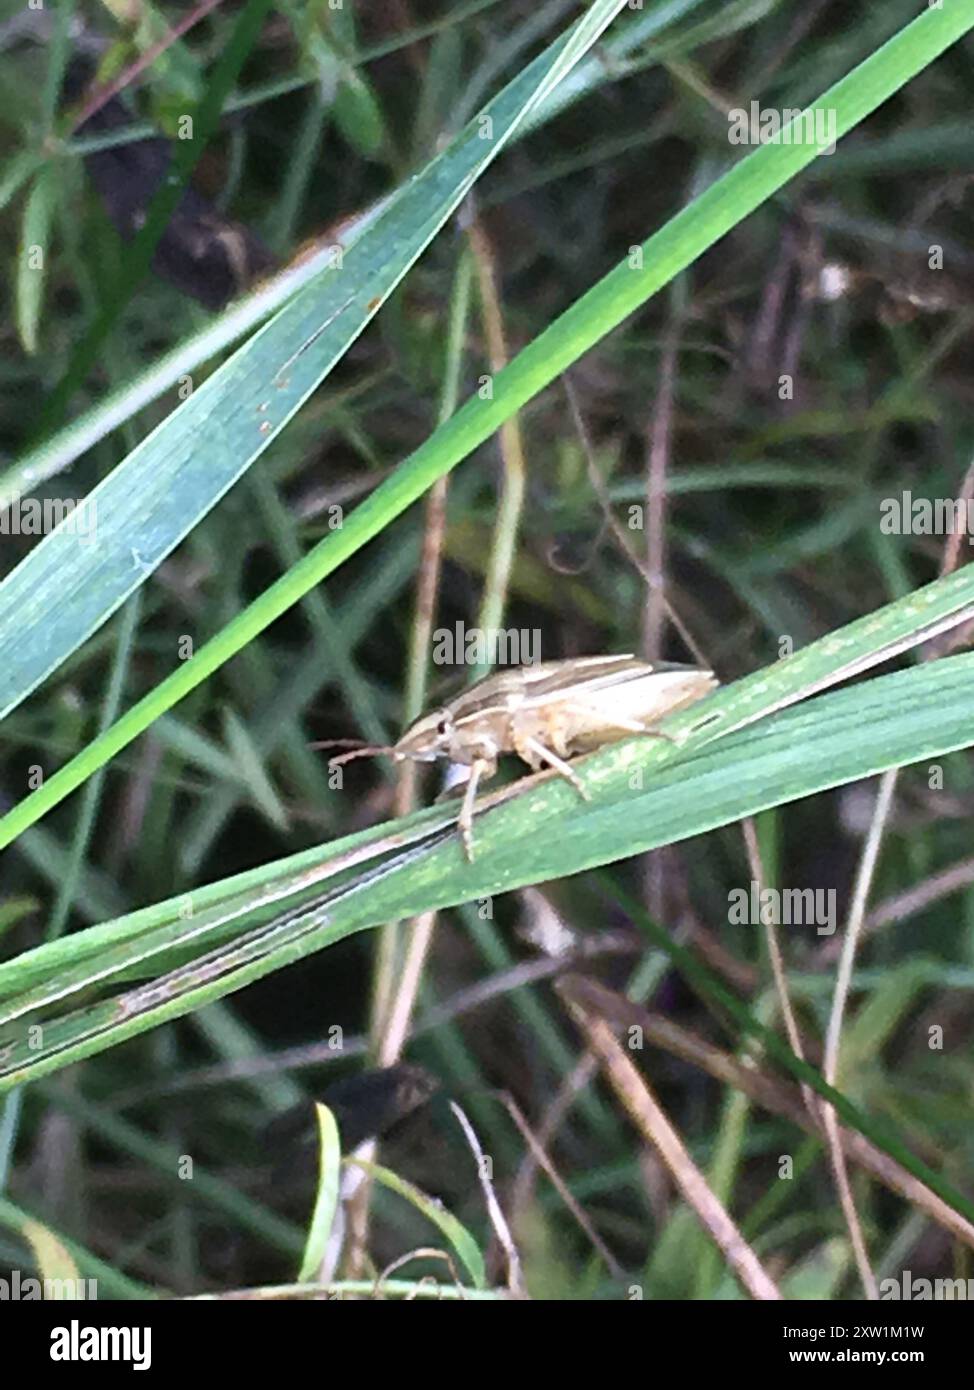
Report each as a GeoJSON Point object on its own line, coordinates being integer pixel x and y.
{"type": "Point", "coordinates": [429, 738]}
{"type": "Point", "coordinates": [425, 741]}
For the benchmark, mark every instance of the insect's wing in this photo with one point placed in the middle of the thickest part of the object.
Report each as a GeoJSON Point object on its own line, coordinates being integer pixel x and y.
{"type": "Point", "coordinates": [551, 678]}
{"type": "Point", "coordinates": [515, 686]}
{"type": "Point", "coordinates": [629, 698]}
{"type": "Point", "coordinates": [609, 679]}
{"type": "Point", "coordinates": [604, 685]}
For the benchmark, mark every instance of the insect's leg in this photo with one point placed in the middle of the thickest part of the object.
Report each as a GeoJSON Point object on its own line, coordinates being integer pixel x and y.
{"type": "Point", "coordinates": [478, 768]}
{"type": "Point", "coordinates": [658, 733]}
{"type": "Point", "coordinates": [535, 754]}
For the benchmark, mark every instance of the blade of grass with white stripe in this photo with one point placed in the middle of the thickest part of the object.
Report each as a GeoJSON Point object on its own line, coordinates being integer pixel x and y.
{"type": "Point", "coordinates": [697, 227]}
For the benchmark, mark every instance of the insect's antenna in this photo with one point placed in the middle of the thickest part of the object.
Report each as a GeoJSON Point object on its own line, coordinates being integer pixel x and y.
{"type": "Point", "coordinates": [368, 752]}
{"type": "Point", "coordinates": [338, 743]}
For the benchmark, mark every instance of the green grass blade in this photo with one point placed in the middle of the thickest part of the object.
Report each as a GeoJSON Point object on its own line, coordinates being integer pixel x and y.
{"type": "Point", "coordinates": [445, 1222]}
{"type": "Point", "coordinates": [326, 1197]}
